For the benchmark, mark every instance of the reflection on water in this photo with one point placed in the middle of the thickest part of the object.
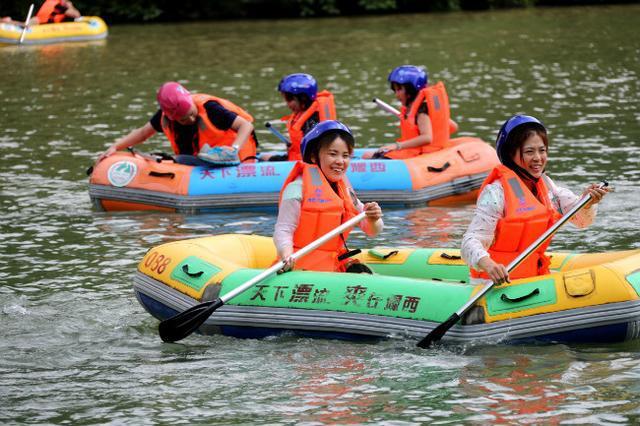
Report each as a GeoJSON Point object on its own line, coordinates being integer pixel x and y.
{"type": "Point", "coordinates": [76, 346]}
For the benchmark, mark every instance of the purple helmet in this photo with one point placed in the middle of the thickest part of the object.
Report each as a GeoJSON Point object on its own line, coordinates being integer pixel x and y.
{"type": "Point", "coordinates": [312, 137]}
{"type": "Point", "coordinates": [299, 83]}
{"type": "Point", "coordinates": [409, 74]}
{"type": "Point", "coordinates": [508, 127]}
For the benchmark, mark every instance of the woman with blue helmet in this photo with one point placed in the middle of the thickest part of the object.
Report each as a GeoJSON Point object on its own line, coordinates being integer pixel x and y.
{"type": "Point", "coordinates": [308, 108]}
{"type": "Point", "coordinates": [317, 197]}
{"type": "Point", "coordinates": [425, 122]}
{"type": "Point", "coordinates": [518, 202]}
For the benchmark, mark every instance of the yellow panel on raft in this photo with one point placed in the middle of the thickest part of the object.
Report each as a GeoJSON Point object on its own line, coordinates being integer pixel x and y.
{"type": "Point", "coordinates": [248, 251]}
{"type": "Point", "coordinates": [597, 285]}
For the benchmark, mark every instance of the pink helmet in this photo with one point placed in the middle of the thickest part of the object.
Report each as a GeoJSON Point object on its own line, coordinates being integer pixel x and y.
{"type": "Point", "coordinates": [175, 101]}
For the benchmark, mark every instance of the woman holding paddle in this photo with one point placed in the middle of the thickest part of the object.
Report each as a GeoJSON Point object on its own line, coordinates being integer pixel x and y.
{"type": "Point", "coordinates": [425, 122]}
{"type": "Point", "coordinates": [316, 197]}
{"type": "Point", "coordinates": [518, 202]}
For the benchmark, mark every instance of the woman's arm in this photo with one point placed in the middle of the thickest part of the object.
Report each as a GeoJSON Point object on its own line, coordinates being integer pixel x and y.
{"type": "Point", "coordinates": [134, 137]}
{"type": "Point", "coordinates": [244, 129]}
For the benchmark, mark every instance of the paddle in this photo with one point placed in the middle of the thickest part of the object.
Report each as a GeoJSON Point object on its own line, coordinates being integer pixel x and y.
{"type": "Point", "coordinates": [183, 324]}
{"type": "Point", "coordinates": [385, 106]}
{"type": "Point", "coordinates": [277, 133]}
{"type": "Point", "coordinates": [26, 24]}
{"type": "Point", "coordinates": [437, 333]}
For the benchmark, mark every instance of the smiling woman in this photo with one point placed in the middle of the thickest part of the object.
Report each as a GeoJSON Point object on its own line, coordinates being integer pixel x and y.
{"type": "Point", "coordinates": [317, 197]}
{"type": "Point", "coordinates": [519, 202]}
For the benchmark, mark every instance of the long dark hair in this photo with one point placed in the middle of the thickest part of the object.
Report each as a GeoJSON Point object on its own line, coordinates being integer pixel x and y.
{"type": "Point", "coordinates": [411, 92]}
{"type": "Point", "coordinates": [303, 98]}
{"type": "Point", "coordinates": [515, 140]}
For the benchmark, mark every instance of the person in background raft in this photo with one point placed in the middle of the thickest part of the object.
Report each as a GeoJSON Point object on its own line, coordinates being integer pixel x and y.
{"type": "Point", "coordinates": [51, 12]}
{"type": "Point", "coordinates": [197, 124]}
{"type": "Point", "coordinates": [308, 108]}
{"type": "Point", "coordinates": [518, 202]}
{"type": "Point", "coordinates": [425, 122]}
{"type": "Point", "coordinates": [316, 198]}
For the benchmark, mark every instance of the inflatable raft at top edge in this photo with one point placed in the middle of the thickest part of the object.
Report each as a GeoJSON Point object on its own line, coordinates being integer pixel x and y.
{"type": "Point", "coordinates": [132, 181]}
{"type": "Point", "coordinates": [591, 297]}
{"type": "Point", "coordinates": [86, 28]}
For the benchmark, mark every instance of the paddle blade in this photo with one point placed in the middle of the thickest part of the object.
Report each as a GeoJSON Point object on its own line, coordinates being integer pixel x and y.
{"type": "Point", "coordinates": [183, 324]}
{"type": "Point", "coordinates": [437, 333]}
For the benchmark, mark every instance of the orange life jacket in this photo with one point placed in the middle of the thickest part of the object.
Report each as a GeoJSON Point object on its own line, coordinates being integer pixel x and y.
{"type": "Point", "coordinates": [322, 210]}
{"type": "Point", "coordinates": [438, 106]}
{"type": "Point", "coordinates": [208, 134]}
{"type": "Point", "coordinates": [326, 109]}
{"type": "Point", "coordinates": [49, 13]}
{"type": "Point", "coordinates": [525, 219]}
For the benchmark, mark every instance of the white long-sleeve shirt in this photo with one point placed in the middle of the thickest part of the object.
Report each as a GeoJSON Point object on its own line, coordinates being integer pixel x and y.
{"type": "Point", "coordinates": [289, 218]}
{"type": "Point", "coordinates": [490, 209]}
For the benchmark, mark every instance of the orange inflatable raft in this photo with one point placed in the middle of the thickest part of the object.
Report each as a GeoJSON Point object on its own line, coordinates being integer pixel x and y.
{"type": "Point", "coordinates": [132, 181]}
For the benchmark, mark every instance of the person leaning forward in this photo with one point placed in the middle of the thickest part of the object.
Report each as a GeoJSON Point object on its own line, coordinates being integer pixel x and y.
{"type": "Point", "coordinates": [196, 124]}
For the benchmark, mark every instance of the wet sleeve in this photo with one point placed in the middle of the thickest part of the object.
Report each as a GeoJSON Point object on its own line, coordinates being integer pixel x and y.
{"type": "Point", "coordinates": [288, 217]}
{"type": "Point", "coordinates": [481, 231]}
{"type": "Point", "coordinates": [221, 117]}
{"type": "Point", "coordinates": [156, 121]}
{"type": "Point", "coordinates": [564, 199]}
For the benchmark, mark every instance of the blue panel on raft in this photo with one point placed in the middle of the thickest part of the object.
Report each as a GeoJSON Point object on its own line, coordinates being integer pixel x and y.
{"type": "Point", "coordinates": [613, 333]}
{"type": "Point", "coordinates": [158, 309]}
{"type": "Point", "coordinates": [262, 332]}
{"type": "Point", "coordinates": [249, 177]}
{"type": "Point", "coordinates": [261, 177]}
{"type": "Point", "coordinates": [372, 175]}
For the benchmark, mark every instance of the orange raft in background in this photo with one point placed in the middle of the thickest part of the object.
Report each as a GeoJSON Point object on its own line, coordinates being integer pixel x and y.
{"type": "Point", "coordinates": [132, 181]}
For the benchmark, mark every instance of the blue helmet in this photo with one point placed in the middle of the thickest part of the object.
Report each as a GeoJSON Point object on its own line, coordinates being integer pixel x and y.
{"type": "Point", "coordinates": [299, 83]}
{"type": "Point", "coordinates": [320, 129]}
{"type": "Point", "coordinates": [409, 74]}
{"type": "Point", "coordinates": [508, 127]}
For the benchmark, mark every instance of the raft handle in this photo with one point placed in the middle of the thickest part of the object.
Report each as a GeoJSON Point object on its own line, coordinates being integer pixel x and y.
{"type": "Point", "coordinates": [170, 175]}
{"type": "Point", "coordinates": [185, 269]}
{"type": "Point", "coordinates": [444, 167]}
{"type": "Point", "coordinates": [379, 255]}
{"type": "Point", "coordinates": [506, 298]}
{"type": "Point", "coordinates": [348, 254]}
{"type": "Point", "coordinates": [471, 159]}
{"type": "Point", "coordinates": [450, 256]}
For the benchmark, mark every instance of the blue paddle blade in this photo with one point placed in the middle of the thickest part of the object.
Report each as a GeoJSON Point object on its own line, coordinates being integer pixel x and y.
{"type": "Point", "coordinates": [220, 156]}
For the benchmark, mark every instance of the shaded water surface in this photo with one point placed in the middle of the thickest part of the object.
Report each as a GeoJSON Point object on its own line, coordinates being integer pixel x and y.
{"type": "Point", "coordinates": [76, 348]}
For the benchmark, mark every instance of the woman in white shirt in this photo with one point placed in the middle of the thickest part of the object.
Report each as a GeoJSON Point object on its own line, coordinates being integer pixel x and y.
{"type": "Point", "coordinates": [518, 202]}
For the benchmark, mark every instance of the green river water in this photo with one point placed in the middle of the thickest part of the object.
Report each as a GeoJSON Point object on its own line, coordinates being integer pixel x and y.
{"type": "Point", "coordinates": [77, 348]}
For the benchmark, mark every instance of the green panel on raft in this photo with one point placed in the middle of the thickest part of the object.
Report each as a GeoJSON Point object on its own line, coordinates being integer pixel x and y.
{"type": "Point", "coordinates": [634, 280]}
{"type": "Point", "coordinates": [357, 293]}
{"type": "Point", "coordinates": [416, 266]}
{"type": "Point", "coordinates": [502, 300]}
{"type": "Point", "coordinates": [194, 272]}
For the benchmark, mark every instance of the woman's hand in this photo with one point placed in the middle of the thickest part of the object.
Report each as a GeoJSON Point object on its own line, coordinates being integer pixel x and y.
{"type": "Point", "coordinates": [373, 211]}
{"type": "Point", "coordinates": [289, 263]}
{"type": "Point", "coordinates": [389, 147]}
{"type": "Point", "coordinates": [112, 149]}
{"type": "Point", "coordinates": [596, 192]}
{"type": "Point", "coordinates": [497, 272]}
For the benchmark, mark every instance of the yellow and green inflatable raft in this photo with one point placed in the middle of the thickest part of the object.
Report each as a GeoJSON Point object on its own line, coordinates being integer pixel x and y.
{"type": "Point", "coordinates": [83, 29]}
{"type": "Point", "coordinates": [587, 297]}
